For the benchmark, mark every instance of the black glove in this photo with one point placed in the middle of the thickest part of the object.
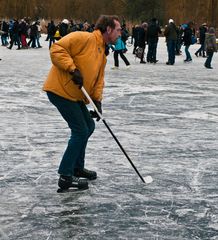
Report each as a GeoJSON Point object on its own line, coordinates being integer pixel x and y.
{"type": "Point", "coordinates": [77, 77]}
{"type": "Point", "coordinates": [94, 113]}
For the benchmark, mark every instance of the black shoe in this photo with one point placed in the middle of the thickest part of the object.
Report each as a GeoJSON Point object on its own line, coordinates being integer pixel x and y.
{"type": "Point", "coordinates": [196, 54]}
{"type": "Point", "coordinates": [209, 67]}
{"type": "Point", "coordinates": [142, 61]}
{"type": "Point", "coordinates": [168, 63]}
{"type": "Point", "coordinates": [188, 60]}
{"type": "Point", "coordinates": [85, 173]}
{"type": "Point", "coordinates": [155, 61]}
{"type": "Point", "coordinates": [66, 182]}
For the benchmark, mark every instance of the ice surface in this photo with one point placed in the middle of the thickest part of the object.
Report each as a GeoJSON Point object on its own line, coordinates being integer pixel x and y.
{"type": "Point", "coordinates": [166, 118]}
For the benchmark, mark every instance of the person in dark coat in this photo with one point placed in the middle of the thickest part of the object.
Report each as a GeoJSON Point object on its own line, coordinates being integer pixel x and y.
{"type": "Point", "coordinates": [202, 32]}
{"type": "Point", "coordinates": [187, 40]}
{"type": "Point", "coordinates": [14, 34]}
{"type": "Point", "coordinates": [179, 40]}
{"type": "Point", "coordinates": [134, 37]}
{"type": "Point", "coordinates": [51, 32]}
{"type": "Point", "coordinates": [33, 35]}
{"type": "Point", "coordinates": [171, 37]}
{"type": "Point", "coordinates": [152, 40]}
{"type": "Point", "coordinates": [141, 39]}
{"type": "Point", "coordinates": [4, 36]}
{"type": "Point", "coordinates": [63, 28]}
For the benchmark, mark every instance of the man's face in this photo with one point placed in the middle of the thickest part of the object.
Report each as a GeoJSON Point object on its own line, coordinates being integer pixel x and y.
{"type": "Point", "coordinates": [114, 33]}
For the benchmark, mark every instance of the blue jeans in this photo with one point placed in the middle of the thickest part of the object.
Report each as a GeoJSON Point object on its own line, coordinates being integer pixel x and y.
{"type": "Point", "coordinates": [37, 40]}
{"type": "Point", "coordinates": [187, 53]}
{"type": "Point", "coordinates": [171, 48]}
{"type": "Point", "coordinates": [82, 126]}
{"type": "Point", "coordinates": [4, 38]}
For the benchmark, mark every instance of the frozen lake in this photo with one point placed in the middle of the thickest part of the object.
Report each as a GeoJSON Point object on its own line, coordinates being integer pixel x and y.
{"type": "Point", "coordinates": [166, 118]}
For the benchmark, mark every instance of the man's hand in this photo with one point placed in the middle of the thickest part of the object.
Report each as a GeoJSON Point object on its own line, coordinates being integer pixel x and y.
{"type": "Point", "coordinates": [94, 113]}
{"type": "Point", "coordinates": [77, 77]}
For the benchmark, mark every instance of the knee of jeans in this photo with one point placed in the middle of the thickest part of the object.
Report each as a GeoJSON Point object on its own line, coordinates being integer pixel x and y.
{"type": "Point", "coordinates": [81, 133]}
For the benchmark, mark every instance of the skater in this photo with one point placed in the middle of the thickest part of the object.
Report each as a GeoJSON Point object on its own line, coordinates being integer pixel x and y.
{"type": "Point", "coordinates": [51, 33]}
{"type": "Point", "coordinates": [171, 37]}
{"type": "Point", "coordinates": [202, 32]}
{"type": "Point", "coordinates": [141, 40]}
{"type": "Point", "coordinates": [119, 48]}
{"type": "Point", "coordinates": [14, 34]}
{"type": "Point", "coordinates": [79, 60]}
{"type": "Point", "coordinates": [210, 46]}
{"type": "Point", "coordinates": [152, 39]}
{"type": "Point", "coordinates": [187, 39]}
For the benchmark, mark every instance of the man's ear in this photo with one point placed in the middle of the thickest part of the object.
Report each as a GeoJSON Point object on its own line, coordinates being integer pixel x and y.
{"type": "Point", "coordinates": [109, 29]}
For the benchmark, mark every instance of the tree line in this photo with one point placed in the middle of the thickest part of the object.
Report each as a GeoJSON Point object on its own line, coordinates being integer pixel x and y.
{"type": "Point", "coordinates": [131, 10]}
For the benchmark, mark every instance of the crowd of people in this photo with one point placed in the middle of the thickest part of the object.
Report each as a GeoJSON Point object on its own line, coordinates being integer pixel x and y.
{"type": "Point", "coordinates": [176, 36]}
{"type": "Point", "coordinates": [26, 34]}
{"type": "Point", "coordinates": [23, 33]}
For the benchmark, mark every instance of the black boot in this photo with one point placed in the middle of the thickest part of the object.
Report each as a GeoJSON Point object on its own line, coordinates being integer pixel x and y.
{"type": "Point", "coordinates": [66, 182]}
{"type": "Point", "coordinates": [85, 173]}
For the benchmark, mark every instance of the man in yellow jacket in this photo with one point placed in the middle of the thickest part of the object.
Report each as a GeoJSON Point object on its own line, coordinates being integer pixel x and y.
{"type": "Point", "coordinates": [79, 59]}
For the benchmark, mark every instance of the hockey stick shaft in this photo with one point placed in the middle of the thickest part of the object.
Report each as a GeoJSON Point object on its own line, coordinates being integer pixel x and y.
{"type": "Point", "coordinates": [109, 129]}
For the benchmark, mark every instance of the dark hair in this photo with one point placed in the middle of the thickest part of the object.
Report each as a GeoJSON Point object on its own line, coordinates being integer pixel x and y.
{"type": "Point", "coordinates": [105, 21]}
{"type": "Point", "coordinates": [191, 23]}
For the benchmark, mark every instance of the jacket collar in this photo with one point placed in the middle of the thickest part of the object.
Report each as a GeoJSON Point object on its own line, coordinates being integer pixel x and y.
{"type": "Point", "coordinates": [99, 37]}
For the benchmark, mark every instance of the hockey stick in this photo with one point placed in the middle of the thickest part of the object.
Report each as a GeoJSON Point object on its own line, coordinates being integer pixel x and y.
{"type": "Point", "coordinates": [147, 179]}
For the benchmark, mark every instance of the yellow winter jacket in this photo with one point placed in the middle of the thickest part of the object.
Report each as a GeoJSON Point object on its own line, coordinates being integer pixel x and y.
{"type": "Point", "coordinates": [81, 50]}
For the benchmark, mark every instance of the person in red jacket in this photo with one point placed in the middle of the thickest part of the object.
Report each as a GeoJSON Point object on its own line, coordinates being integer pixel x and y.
{"type": "Point", "coordinates": [79, 59]}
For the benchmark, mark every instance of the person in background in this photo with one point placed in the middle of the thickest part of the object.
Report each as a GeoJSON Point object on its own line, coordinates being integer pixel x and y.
{"type": "Point", "coordinates": [51, 30]}
{"type": "Point", "coordinates": [171, 37]}
{"type": "Point", "coordinates": [119, 48]}
{"type": "Point", "coordinates": [38, 35]}
{"type": "Point", "coordinates": [141, 39]}
{"type": "Point", "coordinates": [152, 40]}
{"type": "Point", "coordinates": [23, 33]}
{"type": "Point", "coordinates": [124, 34]}
{"type": "Point", "coordinates": [202, 32]}
{"type": "Point", "coordinates": [14, 34]}
{"type": "Point", "coordinates": [79, 59]}
{"type": "Point", "coordinates": [187, 40]}
{"type": "Point", "coordinates": [4, 35]}
{"type": "Point", "coordinates": [135, 37]}
{"type": "Point", "coordinates": [33, 35]}
{"type": "Point", "coordinates": [63, 28]}
{"type": "Point", "coordinates": [210, 46]}
{"type": "Point", "coordinates": [179, 40]}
